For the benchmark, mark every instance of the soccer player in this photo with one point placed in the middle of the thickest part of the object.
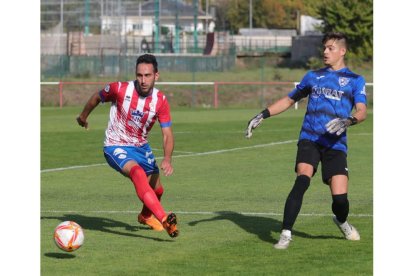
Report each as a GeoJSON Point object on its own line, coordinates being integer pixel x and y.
{"type": "Point", "coordinates": [135, 106]}
{"type": "Point", "coordinates": [333, 93]}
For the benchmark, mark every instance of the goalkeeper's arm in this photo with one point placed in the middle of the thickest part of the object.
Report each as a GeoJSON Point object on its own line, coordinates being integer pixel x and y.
{"type": "Point", "coordinates": [274, 109]}
{"type": "Point", "coordinates": [339, 125]}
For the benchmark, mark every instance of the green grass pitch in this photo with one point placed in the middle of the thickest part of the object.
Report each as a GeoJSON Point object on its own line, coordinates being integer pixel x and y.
{"type": "Point", "coordinates": [228, 193]}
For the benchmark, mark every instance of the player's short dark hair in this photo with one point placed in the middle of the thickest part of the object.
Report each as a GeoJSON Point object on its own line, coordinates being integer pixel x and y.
{"type": "Point", "coordinates": [336, 36]}
{"type": "Point", "coordinates": [149, 59]}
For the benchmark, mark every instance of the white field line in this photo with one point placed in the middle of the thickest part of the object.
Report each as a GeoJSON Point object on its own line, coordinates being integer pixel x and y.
{"type": "Point", "coordinates": [187, 154]}
{"type": "Point", "coordinates": [207, 213]}
{"type": "Point", "coordinates": [179, 156]}
{"type": "Point", "coordinates": [72, 168]}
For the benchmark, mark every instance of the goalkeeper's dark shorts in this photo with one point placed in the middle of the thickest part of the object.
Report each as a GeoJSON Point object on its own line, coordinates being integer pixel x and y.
{"type": "Point", "coordinates": [333, 162]}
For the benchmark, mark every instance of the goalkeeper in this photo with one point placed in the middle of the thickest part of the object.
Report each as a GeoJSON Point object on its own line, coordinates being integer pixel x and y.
{"type": "Point", "coordinates": [332, 92]}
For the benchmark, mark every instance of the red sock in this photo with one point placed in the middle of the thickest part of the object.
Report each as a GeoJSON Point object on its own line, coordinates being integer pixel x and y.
{"type": "Point", "coordinates": [146, 212]}
{"type": "Point", "coordinates": [145, 193]}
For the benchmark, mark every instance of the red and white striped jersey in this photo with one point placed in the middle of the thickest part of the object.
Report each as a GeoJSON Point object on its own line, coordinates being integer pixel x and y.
{"type": "Point", "coordinates": [132, 116]}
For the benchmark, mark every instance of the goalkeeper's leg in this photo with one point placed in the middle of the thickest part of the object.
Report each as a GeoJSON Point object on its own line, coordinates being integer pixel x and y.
{"type": "Point", "coordinates": [294, 201]}
{"type": "Point", "coordinates": [292, 209]}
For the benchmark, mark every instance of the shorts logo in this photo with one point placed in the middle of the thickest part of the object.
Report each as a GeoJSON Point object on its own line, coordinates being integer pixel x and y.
{"type": "Point", "coordinates": [106, 89]}
{"type": "Point", "coordinates": [343, 81]}
{"type": "Point", "coordinates": [121, 156]}
{"type": "Point", "coordinates": [119, 151]}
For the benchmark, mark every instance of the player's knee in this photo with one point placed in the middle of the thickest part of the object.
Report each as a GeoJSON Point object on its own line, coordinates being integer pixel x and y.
{"type": "Point", "coordinates": [305, 169]}
{"type": "Point", "coordinates": [302, 183]}
{"type": "Point", "coordinates": [135, 171]}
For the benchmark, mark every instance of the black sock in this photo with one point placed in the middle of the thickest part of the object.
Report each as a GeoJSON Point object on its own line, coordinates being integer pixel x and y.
{"type": "Point", "coordinates": [340, 207]}
{"type": "Point", "coordinates": [294, 201]}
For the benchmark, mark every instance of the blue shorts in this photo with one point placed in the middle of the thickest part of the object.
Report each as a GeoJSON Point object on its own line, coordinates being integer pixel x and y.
{"type": "Point", "coordinates": [118, 156]}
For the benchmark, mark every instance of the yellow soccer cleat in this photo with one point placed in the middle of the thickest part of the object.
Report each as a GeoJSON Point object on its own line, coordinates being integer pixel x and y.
{"type": "Point", "coordinates": [152, 222]}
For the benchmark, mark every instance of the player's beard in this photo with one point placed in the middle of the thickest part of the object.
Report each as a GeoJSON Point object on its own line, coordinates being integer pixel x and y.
{"type": "Point", "coordinates": [141, 92]}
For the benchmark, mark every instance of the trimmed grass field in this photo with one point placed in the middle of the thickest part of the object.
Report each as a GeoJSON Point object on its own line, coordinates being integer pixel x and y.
{"type": "Point", "coordinates": [228, 193]}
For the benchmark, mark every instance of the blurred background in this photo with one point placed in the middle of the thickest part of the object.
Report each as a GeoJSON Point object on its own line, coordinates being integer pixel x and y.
{"type": "Point", "coordinates": [214, 41]}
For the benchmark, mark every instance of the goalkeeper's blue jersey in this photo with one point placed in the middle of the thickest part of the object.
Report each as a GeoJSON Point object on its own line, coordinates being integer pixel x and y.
{"type": "Point", "coordinates": [331, 94]}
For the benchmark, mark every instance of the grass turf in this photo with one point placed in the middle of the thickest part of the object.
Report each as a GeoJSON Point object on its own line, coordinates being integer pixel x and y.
{"type": "Point", "coordinates": [229, 200]}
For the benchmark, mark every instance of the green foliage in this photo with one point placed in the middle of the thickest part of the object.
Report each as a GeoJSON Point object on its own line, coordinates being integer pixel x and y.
{"type": "Point", "coordinates": [353, 18]}
{"type": "Point", "coordinates": [314, 63]}
{"type": "Point", "coordinates": [282, 14]}
{"type": "Point", "coordinates": [266, 14]}
{"type": "Point", "coordinates": [238, 15]}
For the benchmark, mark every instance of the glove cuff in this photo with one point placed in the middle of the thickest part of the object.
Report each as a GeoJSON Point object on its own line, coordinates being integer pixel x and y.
{"type": "Point", "coordinates": [265, 113]}
{"type": "Point", "coordinates": [353, 120]}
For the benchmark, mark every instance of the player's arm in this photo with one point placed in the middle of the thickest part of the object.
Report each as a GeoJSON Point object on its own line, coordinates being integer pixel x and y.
{"type": "Point", "coordinates": [280, 106]}
{"type": "Point", "coordinates": [90, 105]}
{"type": "Point", "coordinates": [339, 125]}
{"type": "Point", "coordinates": [300, 91]}
{"type": "Point", "coordinates": [274, 109]}
{"type": "Point", "coordinates": [168, 143]}
{"type": "Point", "coordinates": [360, 113]}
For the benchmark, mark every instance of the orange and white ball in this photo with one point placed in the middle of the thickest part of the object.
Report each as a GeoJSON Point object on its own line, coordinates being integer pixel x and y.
{"type": "Point", "coordinates": [69, 236]}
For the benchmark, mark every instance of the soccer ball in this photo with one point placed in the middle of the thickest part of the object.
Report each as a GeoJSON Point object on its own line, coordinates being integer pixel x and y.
{"type": "Point", "coordinates": [69, 236]}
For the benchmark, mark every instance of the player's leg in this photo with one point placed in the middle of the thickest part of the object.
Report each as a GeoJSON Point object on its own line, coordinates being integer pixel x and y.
{"type": "Point", "coordinates": [307, 160]}
{"type": "Point", "coordinates": [144, 191]}
{"type": "Point", "coordinates": [145, 158]}
{"type": "Point", "coordinates": [294, 200]}
{"type": "Point", "coordinates": [155, 183]}
{"type": "Point", "coordinates": [130, 162]}
{"type": "Point", "coordinates": [169, 222]}
{"type": "Point", "coordinates": [335, 174]}
{"type": "Point", "coordinates": [146, 217]}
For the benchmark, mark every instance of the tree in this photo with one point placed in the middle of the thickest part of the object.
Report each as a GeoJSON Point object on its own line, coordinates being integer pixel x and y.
{"type": "Point", "coordinates": [238, 14]}
{"type": "Point", "coordinates": [354, 18]}
{"type": "Point", "coordinates": [282, 13]}
{"type": "Point", "coordinates": [266, 13]}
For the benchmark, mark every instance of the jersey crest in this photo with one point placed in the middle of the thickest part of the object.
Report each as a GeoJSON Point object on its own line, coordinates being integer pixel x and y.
{"type": "Point", "coordinates": [343, 81]}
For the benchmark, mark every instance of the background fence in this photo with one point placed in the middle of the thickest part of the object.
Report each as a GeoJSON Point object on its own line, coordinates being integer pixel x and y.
{"type": "Point", "coordinates": [185, 94]}
{"type": "Point", "coordinates": [59, 66]}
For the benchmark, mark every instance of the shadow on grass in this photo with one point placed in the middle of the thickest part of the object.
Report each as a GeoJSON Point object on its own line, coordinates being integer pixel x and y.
{"type": "Point", "coordinates": [60, 255]}
{"type": "Point", "coordinates": [105, 225]}
{"type": "Point", "coordinates": [262, 227]}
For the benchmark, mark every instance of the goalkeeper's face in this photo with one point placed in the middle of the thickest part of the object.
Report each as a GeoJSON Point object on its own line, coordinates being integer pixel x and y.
{"type": "Point", "coordinates": [146, 77]}
{"type": "Point", "coordinates": [334, 52]}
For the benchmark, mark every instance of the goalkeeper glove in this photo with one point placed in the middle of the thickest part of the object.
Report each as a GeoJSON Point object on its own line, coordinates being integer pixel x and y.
{"type": "Point", "coordinates": [256, 121]}
{"type": "Point", "coordinates": [338, 126]}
